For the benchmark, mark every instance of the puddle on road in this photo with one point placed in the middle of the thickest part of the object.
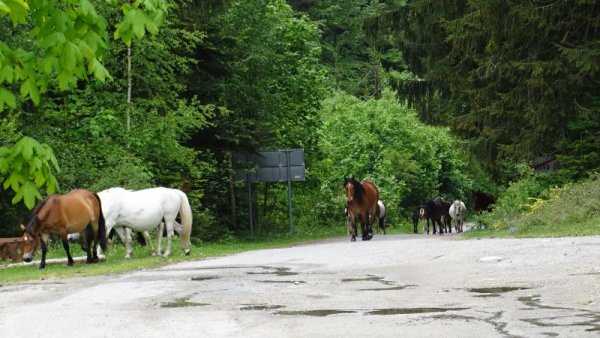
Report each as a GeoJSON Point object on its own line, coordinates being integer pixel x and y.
{"type": "Point", "coordinates": [497, 289]}
{"type": "Point", "coordinates": [487, 295]}
{"type": "Point", "coordinates": [256, 307]}
{"type": "Point", "coordinates": [408, 311]}
{"type": "Point", "coordinates": [181, 302]}
{"type": "Point", "coordinates": [278, 271]}
{"type": "Point", "coordinates": [370, 278]}
{"type": "Point", "coordinates": [398, 287]}
{"type": "Point", "coordinates": [201, 278]}
{"type": "Point", "coordinates": [314, 313]}
{"type": "Point", "coordinates": [375, 312]}
{"type": "Point", "coordinates": [579, 317]}
{"type": "Point", "coordinates": [282, 281]}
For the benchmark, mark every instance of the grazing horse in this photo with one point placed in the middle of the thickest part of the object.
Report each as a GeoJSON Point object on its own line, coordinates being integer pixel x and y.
{"type": "Point", "coordinates": [417, 215]}
{"type": "Point", "coordinates": [361, 198]}
{"type": "Point", "coordinates": [458, 211]}
{"type": "Point", "coordinates": [434, 212]}
{"type": "Point", "coordinates": [482, 202]}
{"type": "Point", "coordinates": [380, 215]}
{"type": "Point", "coordinates": [145, 210]}
{"type": "Point", "coordinates": [79, 211]}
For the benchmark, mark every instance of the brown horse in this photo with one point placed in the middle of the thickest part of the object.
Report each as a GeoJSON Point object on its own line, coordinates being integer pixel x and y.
{"type": "Point", "coordinates": [78, 211]}
{"type": "Point", "coordinates": [361, 198]}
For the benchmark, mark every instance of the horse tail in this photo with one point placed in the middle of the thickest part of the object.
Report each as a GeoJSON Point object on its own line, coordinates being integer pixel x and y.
{"type": "Point", "coordinates": [101, 224]}
{"type": "Point", "coordinates": [185, 213]}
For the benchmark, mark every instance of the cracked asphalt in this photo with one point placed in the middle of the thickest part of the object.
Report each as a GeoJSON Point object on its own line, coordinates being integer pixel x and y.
{"type": "Point", "coordinates": [393, 285]}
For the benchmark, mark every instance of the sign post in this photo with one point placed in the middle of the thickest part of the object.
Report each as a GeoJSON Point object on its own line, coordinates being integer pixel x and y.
{"type": "Point", "coordinates": [285, 165]}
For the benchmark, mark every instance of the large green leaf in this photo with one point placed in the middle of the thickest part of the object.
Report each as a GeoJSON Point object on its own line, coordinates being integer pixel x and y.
{"type": "Point", "coordinates": [7, 98]}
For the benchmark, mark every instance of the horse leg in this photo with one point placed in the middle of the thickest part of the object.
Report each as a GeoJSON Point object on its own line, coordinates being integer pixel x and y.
{"type": "Point", "coordinates": [89, 238]}
{"type": "Point", "coordinates": [65, 242]}
{"type": "Point", "coordinates": [170, 234]}
{"type": "Point", "coordinates": [128, 250]}
{"type": "Point", "coordinates": [159, 237]}
{"type": "Point", "coordinates": [148, 240]}
{"type": "Point", "coordinates": [353, 228]}
{"type": "Point", "coordinates": [95, 258]}
{"type": "Point", "coordinates": [364, 217]}
{"type": "Point", "coordinates": [44, 242]}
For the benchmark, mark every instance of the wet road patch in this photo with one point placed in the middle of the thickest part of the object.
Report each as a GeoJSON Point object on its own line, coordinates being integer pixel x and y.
{"type": "Point", "coordinates": [315, 313]}
{"type": "Point", "coordinates": [409, 311]}
{"type": "Point", "coordinates": [258, 307]}
{"type": "Point", "coordinates": [282, 281]}
{"type": "Point", "coordinates": [374, 312]}
{"type": "Point", "coordinates": [497, 289]}
{"type": "Point", "coordinates": [278, 271]}
{"type": "Point", "coordinates": [181, 302]}
{"type": "Point", "coordinates": [397, 287]}
{"type": "Point", "coordinates": [201, 278]}
{"type": "Point", "coordinates": [370, 278]}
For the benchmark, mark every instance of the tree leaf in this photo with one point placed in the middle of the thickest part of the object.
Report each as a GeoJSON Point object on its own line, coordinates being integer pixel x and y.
{"type": "Point", "coordinates": [7, 98]}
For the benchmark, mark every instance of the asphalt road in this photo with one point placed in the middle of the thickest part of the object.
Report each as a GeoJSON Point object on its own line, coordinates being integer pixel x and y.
{"type": "Point", "coordinates": [391, 286]}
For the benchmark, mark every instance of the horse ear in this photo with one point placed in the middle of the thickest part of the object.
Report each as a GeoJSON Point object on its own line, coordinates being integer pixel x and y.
{"type": "Point", "coordinates": [22, 227]}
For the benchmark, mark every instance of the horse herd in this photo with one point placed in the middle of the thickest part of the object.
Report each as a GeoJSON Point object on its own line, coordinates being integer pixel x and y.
{"type": "Point", "coordinates": [94, 215]}
{"type": "Point", "coordinates": [362, 202]}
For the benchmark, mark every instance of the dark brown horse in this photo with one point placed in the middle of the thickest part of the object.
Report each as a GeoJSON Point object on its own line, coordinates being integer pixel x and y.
{"type": "Point", "coordinates": [78, 211]}
{"type": "Point", "coordinates": [436, 212]}
{"type": "Point", "coordinates": [483, 201]}
{"type": "Point", "coordinates": [447, 220]}
{"type": "Point", "coordinates": [361, 198]}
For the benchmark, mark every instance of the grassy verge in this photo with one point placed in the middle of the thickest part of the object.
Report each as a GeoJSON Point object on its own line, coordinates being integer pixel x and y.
{"type": "Point", "coordinates": [116, 263]}
{"type": "Point", "coordinates": [573, 210]}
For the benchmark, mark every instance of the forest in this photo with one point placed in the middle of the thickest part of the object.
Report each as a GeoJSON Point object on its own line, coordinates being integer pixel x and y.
{"type": "Point", "coordinates": [425, 98]}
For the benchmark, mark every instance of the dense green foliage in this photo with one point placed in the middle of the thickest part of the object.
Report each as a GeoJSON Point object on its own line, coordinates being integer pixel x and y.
{"type": "Point", "coordinates": [95, 94]}
{"type": "Point", "coordinates": [516, 85]}
{"type": "Point", "coordinates": [531, 207]}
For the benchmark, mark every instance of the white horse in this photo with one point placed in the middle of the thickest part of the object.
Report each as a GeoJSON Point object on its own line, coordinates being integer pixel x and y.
{"type": "Point", "coordinates": [381, 216]}
{"type": "Point", "coordinates": [458, 211]}
{"type": "Point", "coordinates": [145, 210]}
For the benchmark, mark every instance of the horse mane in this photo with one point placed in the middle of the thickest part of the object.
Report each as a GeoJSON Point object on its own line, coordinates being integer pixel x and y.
{"type": "Point", "coordinates": [34, 218]}
{"type": "Point", "coordinates": [358, 189]}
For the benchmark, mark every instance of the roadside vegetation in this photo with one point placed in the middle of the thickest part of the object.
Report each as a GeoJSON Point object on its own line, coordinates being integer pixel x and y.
{"type": "Point", "coordinates": [424, 98]}
{"type": "Point", "coordinates": [539, 206]}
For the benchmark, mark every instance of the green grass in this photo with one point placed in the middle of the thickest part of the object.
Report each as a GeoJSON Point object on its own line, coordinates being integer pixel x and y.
{"type": "Point", "coordinates": [141, 259]}
{"type": "Point", "coordinates": [573, 210]}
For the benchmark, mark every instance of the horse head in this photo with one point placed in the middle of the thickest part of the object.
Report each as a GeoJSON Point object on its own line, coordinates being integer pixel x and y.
{"type": "Point", "coordinates": [457, 207]}
{"type": "Point", "coordinates": [354, 190]}
{"type": "Point", "coordinates": [30, 241]}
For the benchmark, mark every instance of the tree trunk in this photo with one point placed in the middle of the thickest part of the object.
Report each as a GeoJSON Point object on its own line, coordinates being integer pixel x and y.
{"type": "Point", "coordinates": [128, 88]}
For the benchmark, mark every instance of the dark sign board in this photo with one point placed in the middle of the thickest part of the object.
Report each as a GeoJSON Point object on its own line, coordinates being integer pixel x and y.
{"type": "Point", "coordinates": [270, 166]}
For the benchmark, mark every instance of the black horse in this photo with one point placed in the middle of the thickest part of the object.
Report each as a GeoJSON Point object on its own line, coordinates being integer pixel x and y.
{"type": "Point", "coordinates": [482, 202]}
{"type": "Point", "coordinates": [417, 215]}
{"type": "Point", "coordinates": [447, 220]}
{"type": "Point", "coordinates": [435, 210]}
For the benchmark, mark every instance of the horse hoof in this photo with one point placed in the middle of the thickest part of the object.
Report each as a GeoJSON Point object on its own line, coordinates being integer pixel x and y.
{"type": "Point", "coordinates": [41, 266]}
{"type": "Point", "coordinates": [353, 239]}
